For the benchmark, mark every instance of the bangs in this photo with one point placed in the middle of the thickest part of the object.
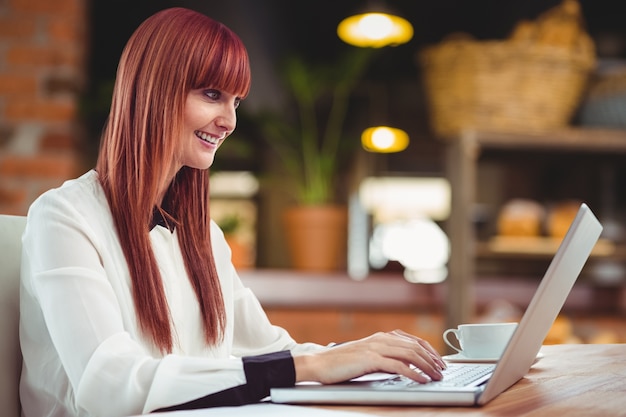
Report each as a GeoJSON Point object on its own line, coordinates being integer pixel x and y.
{"type": "Point", "coordinates": [225, 68]}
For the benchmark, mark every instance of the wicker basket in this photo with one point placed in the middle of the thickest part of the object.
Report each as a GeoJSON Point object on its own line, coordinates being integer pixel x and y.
{"type": "Point", "coordinates": [502, 85]}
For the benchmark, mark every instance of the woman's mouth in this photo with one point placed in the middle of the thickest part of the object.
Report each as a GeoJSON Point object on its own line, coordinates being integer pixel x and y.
{"type": "Point", "coordinates": [207, 138]}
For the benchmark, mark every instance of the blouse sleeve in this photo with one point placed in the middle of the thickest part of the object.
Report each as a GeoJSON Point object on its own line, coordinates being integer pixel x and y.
{"type": "Point", "coordinates": [79, 336]}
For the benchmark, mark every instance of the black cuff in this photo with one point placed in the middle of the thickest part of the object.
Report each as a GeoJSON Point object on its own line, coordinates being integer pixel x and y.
{"type": "Point", "coordinates": [262, 373]}
{"type": "Point", "coordinates": [270, 370]}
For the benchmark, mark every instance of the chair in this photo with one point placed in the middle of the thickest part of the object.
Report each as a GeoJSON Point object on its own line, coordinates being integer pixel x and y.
{"type": "Point", "coordinates": [11, 228]}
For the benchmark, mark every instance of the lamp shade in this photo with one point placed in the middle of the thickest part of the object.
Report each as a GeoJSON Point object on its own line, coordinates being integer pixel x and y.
{"type": "Point", "coordinates": [384, 139]}
{"type": "Point", "coordinates": [375, 30]}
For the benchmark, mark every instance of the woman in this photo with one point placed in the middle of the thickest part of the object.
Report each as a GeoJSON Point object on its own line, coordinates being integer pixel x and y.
{"type": "Point", "coordinates": [130, 302]}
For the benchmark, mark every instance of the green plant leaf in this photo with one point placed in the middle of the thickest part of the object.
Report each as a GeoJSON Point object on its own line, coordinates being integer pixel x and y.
{"type": "Point", "coordinates": [307, 144]}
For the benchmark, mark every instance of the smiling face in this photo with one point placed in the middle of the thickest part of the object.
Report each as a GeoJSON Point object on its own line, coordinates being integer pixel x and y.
{"type": "Point", "coordinates": [209, 117]}
{"type": "Point", "coordinates": [179, 81]}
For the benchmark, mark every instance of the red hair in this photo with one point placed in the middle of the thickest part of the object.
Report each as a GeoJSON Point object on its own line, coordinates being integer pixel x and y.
{"type": "Point", "coordinates": [171, 53]}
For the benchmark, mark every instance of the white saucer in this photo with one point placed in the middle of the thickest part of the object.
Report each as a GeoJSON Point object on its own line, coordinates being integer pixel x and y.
{"type": "Point", "coordinates": [459, 357]}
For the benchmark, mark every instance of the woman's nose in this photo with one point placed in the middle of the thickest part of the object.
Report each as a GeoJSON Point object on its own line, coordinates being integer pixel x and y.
{"type": "Point", "coordinates": [227, 118]}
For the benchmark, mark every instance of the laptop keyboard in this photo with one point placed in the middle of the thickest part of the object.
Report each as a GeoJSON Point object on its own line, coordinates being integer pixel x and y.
{"type": "Point", "coordinates": [455, 375]}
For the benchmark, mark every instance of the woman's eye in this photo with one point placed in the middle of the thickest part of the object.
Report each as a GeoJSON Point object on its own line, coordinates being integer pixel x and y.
{"type": "Point", "coordinates": [212, 94]}
{"type": "Point", "coordinates": [216, 95]}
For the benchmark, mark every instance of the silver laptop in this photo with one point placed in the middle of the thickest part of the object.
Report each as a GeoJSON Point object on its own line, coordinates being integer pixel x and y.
{"type": "Point", "coordinates": [518, 357]}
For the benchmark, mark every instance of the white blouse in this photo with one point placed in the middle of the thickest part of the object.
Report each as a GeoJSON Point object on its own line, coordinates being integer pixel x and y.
{"type": "Point", "coordinates": [84, 354]}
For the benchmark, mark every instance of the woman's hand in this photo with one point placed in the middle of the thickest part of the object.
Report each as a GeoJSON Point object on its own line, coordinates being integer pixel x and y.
{"type": "Point", "coordinates": [394, 352]}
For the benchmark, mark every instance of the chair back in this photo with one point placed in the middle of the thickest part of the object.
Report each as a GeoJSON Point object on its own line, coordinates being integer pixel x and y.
{"type": "Point", "coordinates": [11, 229]}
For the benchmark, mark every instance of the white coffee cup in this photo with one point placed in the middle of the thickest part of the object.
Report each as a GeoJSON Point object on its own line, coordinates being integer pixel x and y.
{"type": "Point", "coordinates": [481, 340]}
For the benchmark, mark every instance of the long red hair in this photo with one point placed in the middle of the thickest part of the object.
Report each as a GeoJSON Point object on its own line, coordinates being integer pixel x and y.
{"type": "Point", "coordinates": [171, 53]}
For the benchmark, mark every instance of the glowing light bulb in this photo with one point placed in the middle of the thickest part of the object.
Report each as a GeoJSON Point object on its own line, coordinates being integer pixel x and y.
{"type": "Point", "coordinates": [384, 139]}
{"type": "Point", "coordinates": [375, 30]}
{"type": "Point", "coordinates": [376, 26]}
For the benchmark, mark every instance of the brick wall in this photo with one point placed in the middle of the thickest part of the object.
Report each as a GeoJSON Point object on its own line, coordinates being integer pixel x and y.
{"type": "Point", "coordinates": [43, 45]}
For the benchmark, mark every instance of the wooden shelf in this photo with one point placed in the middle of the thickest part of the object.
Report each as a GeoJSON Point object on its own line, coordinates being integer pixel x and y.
{"type": "Point", "coordinates": [326, 308]}
{"type": "Point", "coordinates": [565, 140]}
{"type": "Point", "coordinates": [539, 247]}
{"type": "Point", "coordinates": [301, 289]}
{"type": "Point", "coordinates": [293, 290]}
{"type": "Point", "coordinates": [463, 154]}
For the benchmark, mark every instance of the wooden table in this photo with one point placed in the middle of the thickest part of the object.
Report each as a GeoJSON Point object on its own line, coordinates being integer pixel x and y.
{"type": "Point", "coordinates": [570, 380]}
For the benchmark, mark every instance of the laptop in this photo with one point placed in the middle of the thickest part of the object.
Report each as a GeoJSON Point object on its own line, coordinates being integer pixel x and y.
{"type": "Point", "coordinates": [516, 360]}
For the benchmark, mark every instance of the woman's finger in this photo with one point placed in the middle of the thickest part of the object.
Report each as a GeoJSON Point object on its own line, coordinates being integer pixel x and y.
{"type": "Point", "coordinates": [406, 351]}
{"type": "Point", "coordinates": [423, 343]}
{"type": "Point", "coordinates": [418, 358]}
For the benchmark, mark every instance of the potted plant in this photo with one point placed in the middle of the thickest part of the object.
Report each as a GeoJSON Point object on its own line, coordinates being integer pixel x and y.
{"type": "Point", "coordinates": [230, 224]}
{"type": "Point", "coordinates": [312, 148]}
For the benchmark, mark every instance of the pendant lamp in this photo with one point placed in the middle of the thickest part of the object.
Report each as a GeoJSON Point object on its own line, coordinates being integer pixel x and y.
{"type": "Point", "coordinates": [384, 139]}
{"type": "Point", "coordinates": [375, 27]}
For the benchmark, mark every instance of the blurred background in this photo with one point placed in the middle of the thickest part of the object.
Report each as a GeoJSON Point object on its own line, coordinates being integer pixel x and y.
{"type": "Point", "coordinates": [404, 213]}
